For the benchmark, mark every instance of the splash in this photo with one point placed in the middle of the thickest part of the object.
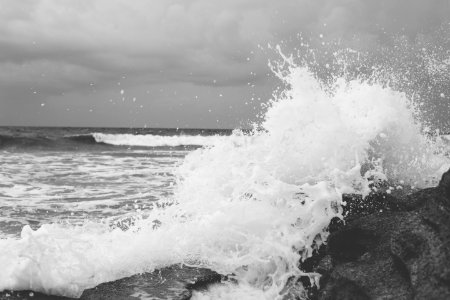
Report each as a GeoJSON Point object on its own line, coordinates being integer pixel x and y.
{"type": "Point", "coordinates": [253, 205]}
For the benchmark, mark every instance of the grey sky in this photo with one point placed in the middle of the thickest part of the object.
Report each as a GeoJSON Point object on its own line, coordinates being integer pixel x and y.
{"type": "Point", "coordinates": [160, 63]}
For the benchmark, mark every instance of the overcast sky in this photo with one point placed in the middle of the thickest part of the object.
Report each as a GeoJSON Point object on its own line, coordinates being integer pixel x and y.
{"type": "Point", "coordinates": [162, 63]}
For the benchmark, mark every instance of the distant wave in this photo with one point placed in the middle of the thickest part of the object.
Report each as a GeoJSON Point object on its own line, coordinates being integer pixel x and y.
{"type": "Point", "coordinates": [10, 141]}
{"type": "Point", "coordinates": [156, 140]}
{"type": "Point", "coordinates": [83, 138]}
{"type": "Point", "coordinates": [67, 143]}
{"type": "Point", "coordinates": [96, 140]}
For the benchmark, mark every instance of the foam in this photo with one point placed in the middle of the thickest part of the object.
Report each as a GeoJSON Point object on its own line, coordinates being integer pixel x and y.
{"type": "Point", "coordinates": [149, 140]}
{"type": "Point", "coordinates": [45, 187]}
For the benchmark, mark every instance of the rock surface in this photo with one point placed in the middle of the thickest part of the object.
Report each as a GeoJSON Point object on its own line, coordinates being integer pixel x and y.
{"type": "Point", "coordinates": [175, 282]}
{"type": "Point", "coordinates": [389, 248]}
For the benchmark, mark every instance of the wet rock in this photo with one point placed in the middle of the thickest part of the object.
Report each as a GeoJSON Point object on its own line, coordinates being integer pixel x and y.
{"type": "Point", "coordinates": [363, 267]}
{"type": "Point", "coordinates": [175, 282]}
{"type": "Point", "coordinates": [19, 295]}
{"type": "Point", "coordinates": [389, 247]}
{"type": "Point", "coordinates": [356, 206]}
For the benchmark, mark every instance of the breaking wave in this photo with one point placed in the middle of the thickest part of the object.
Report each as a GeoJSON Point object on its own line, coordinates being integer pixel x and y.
{"type": "Point", "coordinates": [103, 140]}
{"type": "Point", "coordinates": [252, 205]}
{"type": "Point", "coordinates": [156, 140]}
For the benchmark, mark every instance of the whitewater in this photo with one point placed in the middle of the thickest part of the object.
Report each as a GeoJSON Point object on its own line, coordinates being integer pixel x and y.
{"type": "Point", "coordinates": [249, 205]}
{"type": "Point", "coordinates": [156, 140]}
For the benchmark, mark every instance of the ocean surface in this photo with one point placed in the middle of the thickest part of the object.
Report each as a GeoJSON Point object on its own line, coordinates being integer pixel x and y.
{"type": "Point", "coordinates": [83, 206]}
{"type": "Point", "coordinates": [70, 175]}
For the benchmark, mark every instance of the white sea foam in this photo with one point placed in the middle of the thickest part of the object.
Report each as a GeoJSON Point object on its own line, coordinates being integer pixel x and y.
{"type": "Point", "coordinates": [149, 140]}
{"type": "Point", "coordinates": [249, 206]}
{"type": "Point", "coordinates": [44, 187]}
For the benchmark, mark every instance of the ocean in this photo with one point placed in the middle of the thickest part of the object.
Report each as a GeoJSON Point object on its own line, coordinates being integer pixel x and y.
{"type": "Point", "coordinates": [70, 175]}
{"type": "Point", "coordinates": [83, 206]}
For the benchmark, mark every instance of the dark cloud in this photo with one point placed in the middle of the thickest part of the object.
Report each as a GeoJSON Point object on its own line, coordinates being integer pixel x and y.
{"type": "Point", "coordinates": [50, 49]}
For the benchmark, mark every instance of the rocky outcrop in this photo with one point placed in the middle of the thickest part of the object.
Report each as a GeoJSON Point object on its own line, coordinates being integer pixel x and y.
{"type": "Point", "coordinates": [174, 282]}
{"type": "Point", "coordinates": [390, 247]}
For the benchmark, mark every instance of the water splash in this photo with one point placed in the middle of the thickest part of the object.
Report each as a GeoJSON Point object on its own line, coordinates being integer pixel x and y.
{"type": "Point", "coordinates": [252, 205]}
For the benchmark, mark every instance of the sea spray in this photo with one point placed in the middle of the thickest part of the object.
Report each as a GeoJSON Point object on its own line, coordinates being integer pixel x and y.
{"type": "Point", "coordinates": [311, 151]}
{"type": "Point", "coordinates": [251, 205]}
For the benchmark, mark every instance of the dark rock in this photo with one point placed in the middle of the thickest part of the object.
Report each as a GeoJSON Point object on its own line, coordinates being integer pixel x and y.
{"type": "Point", "coordinates": [174, 282]}
{"type": "Point", "coordinates": [349, 244]}
{"type": "Point", "coordinates": [347, 290]}
{"type": "Point", "coordinates": [444, 185]}
{"type": "Point", "coordinates": [389, 247]}
{"type": "Point", "coordinates": [357, 206]}
{"type": "Point", "coordinates": [28, 295]}
{"type": "Point", "coordinates": [363, 267]}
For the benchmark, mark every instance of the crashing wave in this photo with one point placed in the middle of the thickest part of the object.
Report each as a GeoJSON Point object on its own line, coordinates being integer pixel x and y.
{"type": "Point", "coordinates": [252, 207]}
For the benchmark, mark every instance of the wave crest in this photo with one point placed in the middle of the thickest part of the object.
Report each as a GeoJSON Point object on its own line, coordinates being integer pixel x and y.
{"type": "Point", "coordinates": [156, 140]}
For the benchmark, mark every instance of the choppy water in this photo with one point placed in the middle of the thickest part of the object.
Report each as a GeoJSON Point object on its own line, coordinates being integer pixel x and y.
{"type": "Point", "coordinates": [71, 175]}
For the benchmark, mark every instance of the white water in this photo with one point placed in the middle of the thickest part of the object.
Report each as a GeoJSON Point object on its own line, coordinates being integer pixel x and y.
{"type": "Point", "coordinates": [43, 187]}
{"type": "Point", "coordinates": [157, 140]}
{"type": "Point", "coordinates": [249, 205]}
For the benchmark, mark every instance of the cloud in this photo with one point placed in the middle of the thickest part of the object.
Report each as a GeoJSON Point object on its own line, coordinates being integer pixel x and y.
{"type": "Point", "coordinates": [128, 36]}
{"type": "Point", "coordinates": [64, 45]}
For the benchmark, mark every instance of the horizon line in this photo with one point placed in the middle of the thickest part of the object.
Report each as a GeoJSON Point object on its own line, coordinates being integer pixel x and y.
{"type": "Point", "coordinates": [121, 127]}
